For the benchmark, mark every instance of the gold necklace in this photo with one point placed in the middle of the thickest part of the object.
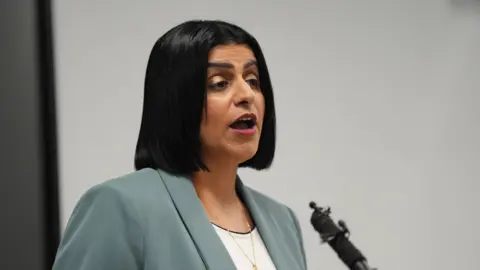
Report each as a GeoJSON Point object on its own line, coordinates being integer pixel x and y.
{"type": "Point", "coordinates": [254, 262]}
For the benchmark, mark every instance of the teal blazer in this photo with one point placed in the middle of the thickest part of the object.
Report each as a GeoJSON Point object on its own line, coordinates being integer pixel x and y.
{"type": "Point", "coordinates": [151, 220]}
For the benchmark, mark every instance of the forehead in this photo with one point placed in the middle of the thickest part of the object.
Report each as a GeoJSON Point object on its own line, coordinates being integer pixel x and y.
{"type": "Point", "coordinates": [231, 53]}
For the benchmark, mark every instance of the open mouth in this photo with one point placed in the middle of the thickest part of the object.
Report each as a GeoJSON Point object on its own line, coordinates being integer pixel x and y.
{"type": "Point", "coordinates": [244, 123]}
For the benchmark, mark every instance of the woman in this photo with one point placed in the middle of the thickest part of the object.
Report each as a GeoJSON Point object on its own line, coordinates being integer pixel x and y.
{"type": "Point", "coordinates": [208, 109]}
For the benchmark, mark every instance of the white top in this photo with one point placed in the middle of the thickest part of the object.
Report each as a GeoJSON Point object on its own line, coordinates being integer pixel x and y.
{"type": "Point", "coordinates": [235, 242]}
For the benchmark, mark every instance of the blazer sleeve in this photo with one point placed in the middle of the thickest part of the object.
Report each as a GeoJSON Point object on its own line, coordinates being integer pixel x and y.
{"type": "Point", "coordinates": [103, 233]}
{"type": "Point", "coordinates": [300, 237]}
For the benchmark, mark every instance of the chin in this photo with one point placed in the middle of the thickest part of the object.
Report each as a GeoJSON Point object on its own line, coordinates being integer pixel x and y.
{"type": "Point", "coordinates": [244, 153]}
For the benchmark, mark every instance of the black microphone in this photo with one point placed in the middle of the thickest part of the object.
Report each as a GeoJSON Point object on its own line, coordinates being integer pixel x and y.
{"type": "Point", "coordinates": [337, 238]}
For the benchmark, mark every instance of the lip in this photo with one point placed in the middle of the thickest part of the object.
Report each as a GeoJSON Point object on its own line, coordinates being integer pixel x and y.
{"type": "Point", "coordinates": [249, 131]}
{"type": "Point", "coordinates": [251, 115]}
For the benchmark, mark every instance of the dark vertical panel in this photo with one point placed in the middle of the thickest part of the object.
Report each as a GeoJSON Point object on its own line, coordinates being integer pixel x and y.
{"type": "Point", "coordinates": [49, 131]}
{"type": "Point", "coordinates": [29, 226]}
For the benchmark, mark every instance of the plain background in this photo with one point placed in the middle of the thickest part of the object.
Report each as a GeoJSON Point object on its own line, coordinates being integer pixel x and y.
{"type": "Point", "coordinates": [377, 105]}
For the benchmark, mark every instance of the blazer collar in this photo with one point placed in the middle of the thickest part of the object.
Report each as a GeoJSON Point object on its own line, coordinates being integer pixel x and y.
{"type": "Point", "coordinates": [267, 226]}
{"type": "Point", "coordinates": [210, 247]}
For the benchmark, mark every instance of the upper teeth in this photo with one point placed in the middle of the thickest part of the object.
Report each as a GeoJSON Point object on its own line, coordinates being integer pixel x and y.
{"type": "Point", "coordinates": [245, 118]}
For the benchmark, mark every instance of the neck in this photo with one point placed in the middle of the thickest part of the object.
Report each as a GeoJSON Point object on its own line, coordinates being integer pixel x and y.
{"type": "Point", "coordinates": [216, 190]}
{"type": "Point", "coordinates": [217, 186]}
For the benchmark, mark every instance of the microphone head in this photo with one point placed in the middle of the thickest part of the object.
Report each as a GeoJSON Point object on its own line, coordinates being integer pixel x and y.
{"type": "Point", "coordinates": [313, 205]}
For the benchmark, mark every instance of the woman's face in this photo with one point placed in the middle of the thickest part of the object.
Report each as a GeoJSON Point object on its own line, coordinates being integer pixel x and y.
{"type": "Point", "coordinates": [232, 124]}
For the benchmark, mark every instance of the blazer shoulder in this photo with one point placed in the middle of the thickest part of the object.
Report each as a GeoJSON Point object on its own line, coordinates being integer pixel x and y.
{"type": "Point", "coordinates": [106, 228]}
{"type": "Point", "coordinates": [135, 182]}
{"type": "Point", "coordinates": [143, 189]}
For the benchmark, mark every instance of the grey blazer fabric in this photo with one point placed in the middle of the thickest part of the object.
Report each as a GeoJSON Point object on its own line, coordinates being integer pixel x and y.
{"type": "Point", "coordinates": [151, 220]}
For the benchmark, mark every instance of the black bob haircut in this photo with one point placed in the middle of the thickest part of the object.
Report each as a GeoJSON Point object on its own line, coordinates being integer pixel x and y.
{"type": "Point", "coordinates": [174, 98]}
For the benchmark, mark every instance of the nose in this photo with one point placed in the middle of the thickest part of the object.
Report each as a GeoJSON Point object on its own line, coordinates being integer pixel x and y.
{"type": "Point", "coordinates": [244, 95]}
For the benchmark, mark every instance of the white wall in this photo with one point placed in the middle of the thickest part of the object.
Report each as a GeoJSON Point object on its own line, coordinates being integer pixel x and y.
{"type": "Point", "coordinates": [377, 113]}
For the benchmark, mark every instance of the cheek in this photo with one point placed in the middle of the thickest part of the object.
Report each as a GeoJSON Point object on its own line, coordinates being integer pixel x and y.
{"type": "Point", "coordinates": [214, 118]}
{"type": "Point", "coordinates": [214, 113]}
{"type": "Point", "coordinates": [260, 106]}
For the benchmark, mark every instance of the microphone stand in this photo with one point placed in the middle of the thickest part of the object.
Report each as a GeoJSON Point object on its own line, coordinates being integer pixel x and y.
{"type": "Point", "coordinates": [337, 238]}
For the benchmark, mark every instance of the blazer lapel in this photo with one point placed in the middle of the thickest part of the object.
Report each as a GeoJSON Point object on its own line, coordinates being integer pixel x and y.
{"type": "Point", "coordinates": [209, 245]}
{"type": "Point", "coordinates": [267, 226]}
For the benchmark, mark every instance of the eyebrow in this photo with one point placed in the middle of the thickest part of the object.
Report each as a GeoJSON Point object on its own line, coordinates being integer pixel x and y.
{"type": "Point", "coordinates": [228, 65]}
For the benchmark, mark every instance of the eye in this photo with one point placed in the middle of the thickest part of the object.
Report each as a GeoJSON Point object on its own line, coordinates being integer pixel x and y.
{"type": "Point", "coordinates": [252, 80]}
{"type": "Point", "coordinates": [218, 85]}
{"type": "Point", "coordinates": [253, 83]}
